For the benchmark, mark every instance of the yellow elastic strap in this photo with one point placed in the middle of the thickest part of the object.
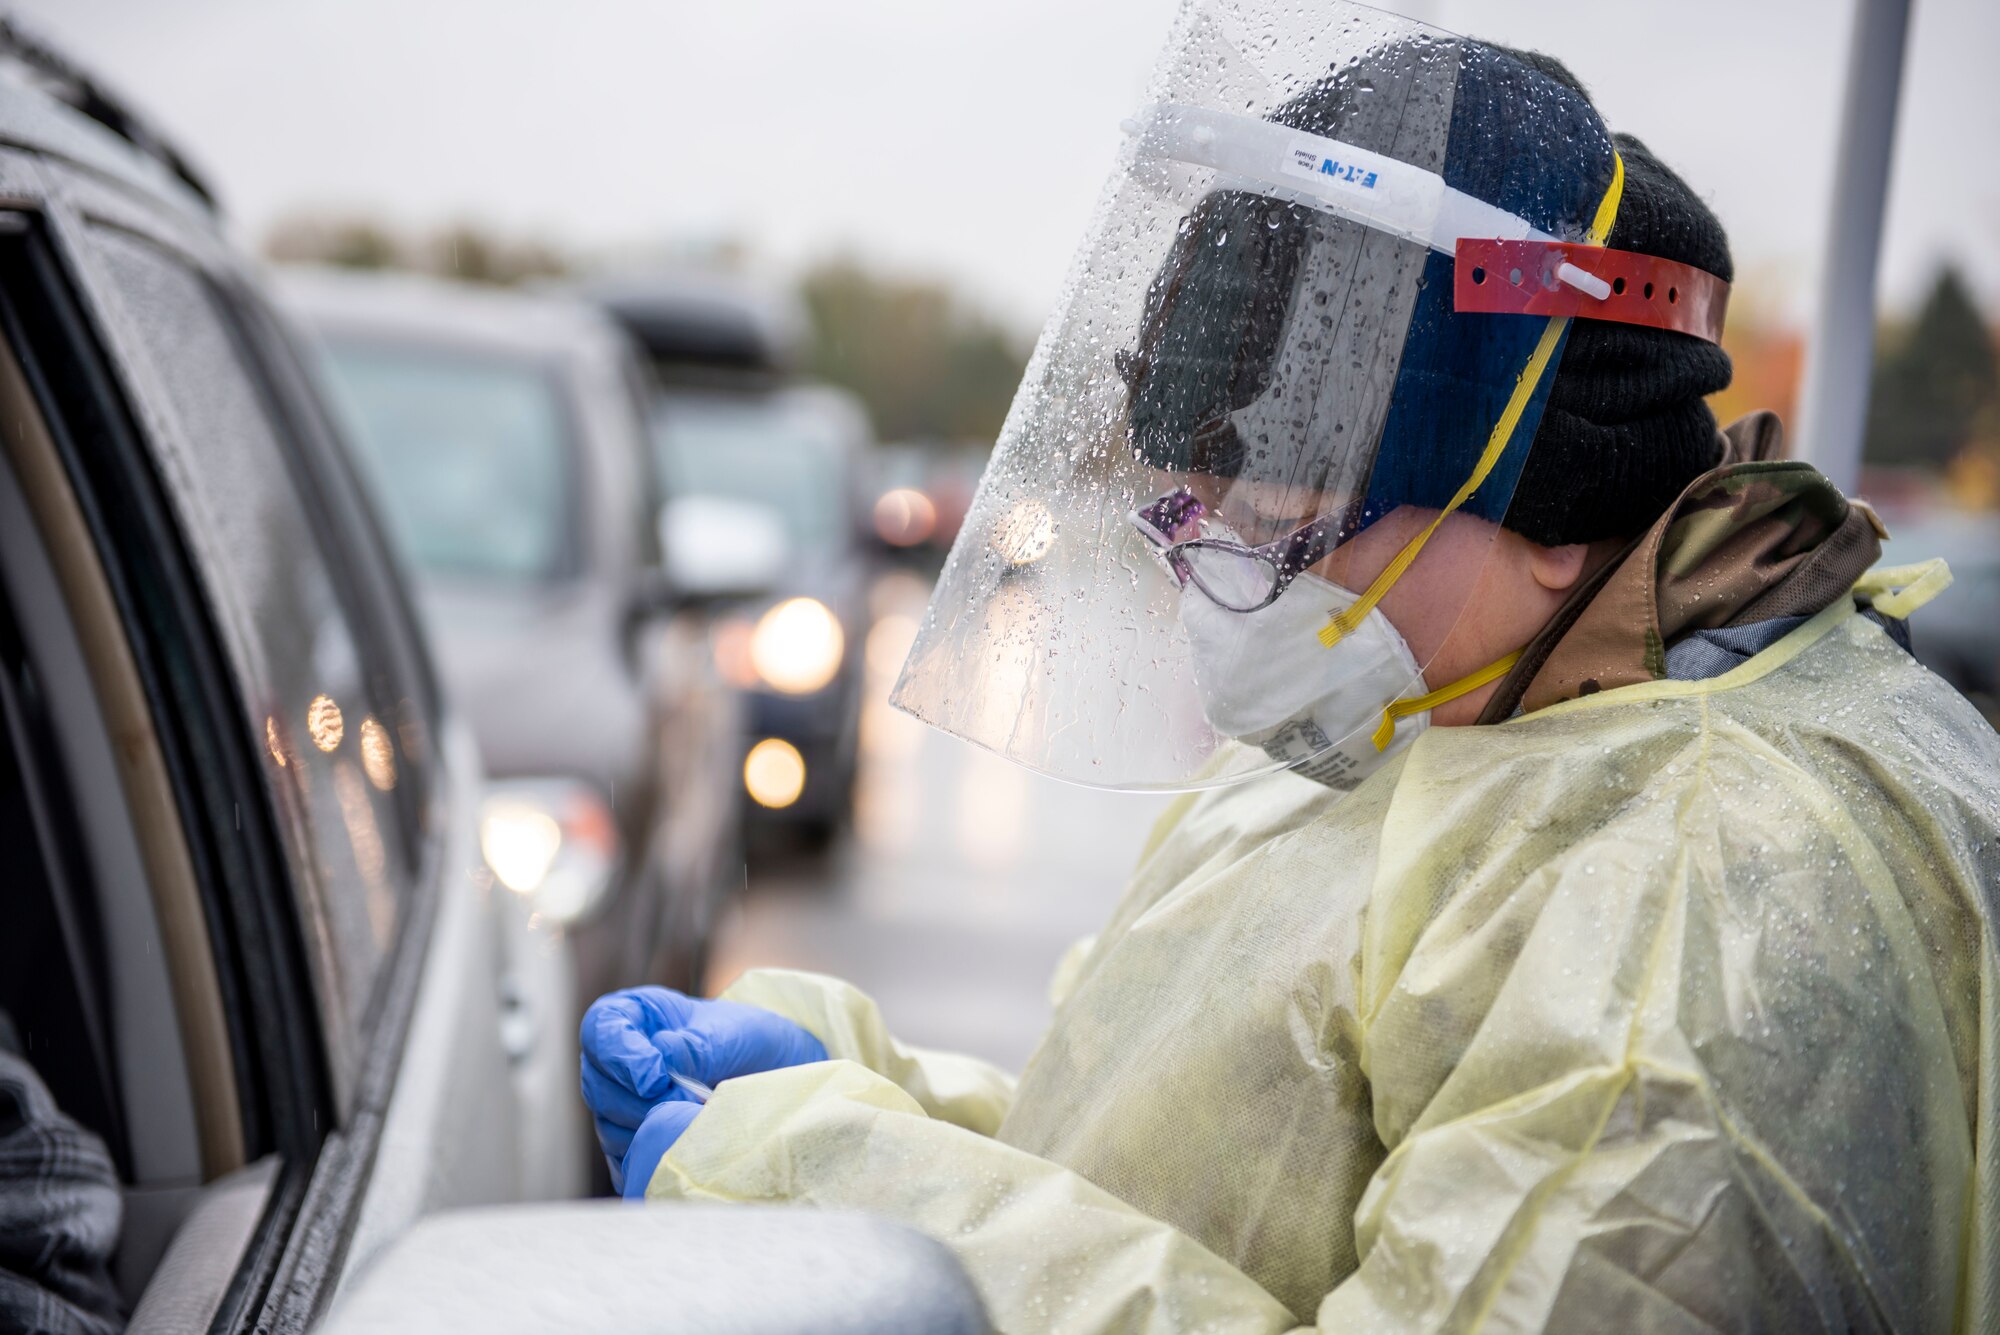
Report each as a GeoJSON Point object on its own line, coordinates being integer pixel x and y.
{"type": "Point", "coordinates": [1897, 591]}
{"type": "Point", "coordinates": [1343, 623]}
{"type": "Point", "coordinates": [1402, 709]}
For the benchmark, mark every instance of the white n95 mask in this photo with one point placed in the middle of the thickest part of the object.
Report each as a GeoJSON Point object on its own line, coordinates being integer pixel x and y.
{"type": "Point", "coordinates": [1265, 678]}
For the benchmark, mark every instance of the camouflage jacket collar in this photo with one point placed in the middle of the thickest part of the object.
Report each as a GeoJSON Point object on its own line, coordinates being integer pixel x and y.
{"type": "Point", "coordinates": [1754, 538]}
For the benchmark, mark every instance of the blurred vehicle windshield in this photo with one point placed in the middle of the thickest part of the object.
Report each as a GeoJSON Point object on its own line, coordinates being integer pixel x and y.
{"type": "Point", "coordinates": [761, 450]}
{"type": "Point", "coordinates": [468, 454]}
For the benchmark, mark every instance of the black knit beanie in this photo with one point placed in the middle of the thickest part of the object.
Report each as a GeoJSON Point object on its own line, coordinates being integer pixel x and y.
{"type": "Point", "coordinates": [1626, 428]}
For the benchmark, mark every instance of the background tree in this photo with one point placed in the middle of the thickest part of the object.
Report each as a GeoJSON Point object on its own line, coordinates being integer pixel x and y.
{"type": "Point", "coordinates": [463, 251]}
{"type": "Point", "coordinates": [1933, 384]}
{"type": "Point", "coordinates": [350, 243]}
{"type": "Point", "coordinates": [929, 368]}
{"type": "Point", "coordinates": [472, 254]}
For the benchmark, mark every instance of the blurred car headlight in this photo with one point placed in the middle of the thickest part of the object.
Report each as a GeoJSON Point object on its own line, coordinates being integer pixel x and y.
{"type": "Point", "coordinates": [797, 646]}
{"type": "Point", "coordinates": [552, 841]}
{"type": "Point", "coordinates": [774, 773]}
{"type": "Point", "coordinates": [905, 517]}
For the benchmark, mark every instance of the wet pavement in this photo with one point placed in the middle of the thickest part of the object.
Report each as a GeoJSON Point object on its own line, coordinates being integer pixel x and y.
{"type": "Point", "coordinates": [965, 880]}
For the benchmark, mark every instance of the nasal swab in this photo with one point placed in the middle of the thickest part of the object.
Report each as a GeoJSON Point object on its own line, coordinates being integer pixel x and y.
{"type": "Point", "coordinates": [702, 1093]}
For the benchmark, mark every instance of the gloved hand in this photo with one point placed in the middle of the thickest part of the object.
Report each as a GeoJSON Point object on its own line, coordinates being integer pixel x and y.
{"type": "Point", "coordinates": [635, 1040]}
{"type": "Point", "coordinates": [650, 1143]}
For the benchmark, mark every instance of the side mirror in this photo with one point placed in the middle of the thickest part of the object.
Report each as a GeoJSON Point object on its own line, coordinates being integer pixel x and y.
{"type": "Point", "coordinates": [650, 596]}
{"type": "Point", "coordinates": [716, 548]}
{"type": "Point", "coordinates": [594, 1268]}
{"type": "Point", "coordinates": [651, 593]}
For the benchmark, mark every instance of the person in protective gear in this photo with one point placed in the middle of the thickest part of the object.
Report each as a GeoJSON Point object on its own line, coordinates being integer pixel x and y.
{"type": "Point", "coordinates": [60, 1210]}
{"type": "Point", "coordinates": [1651, 987]}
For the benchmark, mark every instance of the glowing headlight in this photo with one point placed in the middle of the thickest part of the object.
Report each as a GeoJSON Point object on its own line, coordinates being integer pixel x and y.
{"type": "Point", "coordinates": [797, 645]}
{"type": "Point", "coordinates": [520, 841]}
{"type": "Point", "coordinates": [774, 773]}
{"type": "Point", "coordinates": [905, 517]}
{"type": "Point", "coordinates": [553, 841]}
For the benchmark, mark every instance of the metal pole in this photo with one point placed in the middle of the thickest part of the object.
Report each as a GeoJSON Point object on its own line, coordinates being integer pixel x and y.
{"type": "Point", "coordinates": [1833, 401]}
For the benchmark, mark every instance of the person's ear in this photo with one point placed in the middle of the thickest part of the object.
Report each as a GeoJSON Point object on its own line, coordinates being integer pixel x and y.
{"type": "Point", "coordinates": [1557, 569]}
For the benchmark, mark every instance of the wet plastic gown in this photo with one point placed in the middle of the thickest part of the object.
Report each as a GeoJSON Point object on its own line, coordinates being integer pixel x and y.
{"type": "Point", "coordinates": [1672, 1008]}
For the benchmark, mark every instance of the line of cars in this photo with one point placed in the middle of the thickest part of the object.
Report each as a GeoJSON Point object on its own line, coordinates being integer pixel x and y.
{"type": "Point", "coordinates": [503, 436]}
{"type": "Point", "coordinates": [636, 544]}
{"type": "Point", "coordinates": [766, 482]}
{"type": "Point", "coordinates": [269, 934]}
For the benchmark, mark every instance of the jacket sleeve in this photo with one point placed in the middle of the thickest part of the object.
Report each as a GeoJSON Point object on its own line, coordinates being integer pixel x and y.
{"type": "Point", "coordinates": [1046, 1249]}
{"type": "Point", "coordinates": [60, 1213]}
{"type": "Point", "coordinates": [963, 1091]}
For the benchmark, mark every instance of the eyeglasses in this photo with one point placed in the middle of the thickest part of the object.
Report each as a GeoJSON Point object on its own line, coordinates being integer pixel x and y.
{"type": "Point", "coordinates": [1234, 575]}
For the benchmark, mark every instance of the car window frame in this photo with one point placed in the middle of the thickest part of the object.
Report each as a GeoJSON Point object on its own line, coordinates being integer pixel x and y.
{"type": "Point", "coordinates": [297, 1251]}
{"type": "Point", "coordinates": [347, 1037]}
{"type": "Point", "coordinates": [80, 384]}
{"type": "Point", "coordinates": [636, 387]}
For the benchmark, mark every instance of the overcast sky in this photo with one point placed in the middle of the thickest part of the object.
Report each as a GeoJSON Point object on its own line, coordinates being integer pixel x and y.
{"type": "Point", "coordinates": [956, 138]}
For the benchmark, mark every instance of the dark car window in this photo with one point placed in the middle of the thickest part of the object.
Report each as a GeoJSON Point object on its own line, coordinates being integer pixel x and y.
{"type": "Point", "coordinates": [53, 989]}
{"type": "Point", "coordinates": [468, 456]}
{"type": "Point", "coordinates": [332, 731]}
{"type": "Point", "coordinates": [759, 449]}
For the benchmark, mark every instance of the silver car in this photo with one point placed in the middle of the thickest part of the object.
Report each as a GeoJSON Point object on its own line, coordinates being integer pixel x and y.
{"type": "Point", "coordinates": [503, 436]}
{"type": "Point", "coordinates": [249, 945]}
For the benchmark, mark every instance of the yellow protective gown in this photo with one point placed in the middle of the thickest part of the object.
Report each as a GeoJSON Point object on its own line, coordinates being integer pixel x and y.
{"type": "Point", "coordinates": [1673, 1008]}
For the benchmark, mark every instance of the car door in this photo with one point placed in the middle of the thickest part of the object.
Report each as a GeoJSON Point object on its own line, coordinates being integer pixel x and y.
{"type": "Point", "coordinates": [295, 811]}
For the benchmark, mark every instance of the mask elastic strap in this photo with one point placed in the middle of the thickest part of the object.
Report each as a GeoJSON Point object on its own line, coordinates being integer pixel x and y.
{"type": "Point", "coordinates": [1344, 622]}
{"type": "Point", "coordinates": [1402, 709]}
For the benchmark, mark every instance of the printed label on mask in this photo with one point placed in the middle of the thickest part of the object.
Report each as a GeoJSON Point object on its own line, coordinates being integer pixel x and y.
{"type": "Point", "coordinates": [1305, 747]}
{"type": "Point", "coordinates": [1298, 739]}
{"type": "Point", "coordinates": [1335, 769]}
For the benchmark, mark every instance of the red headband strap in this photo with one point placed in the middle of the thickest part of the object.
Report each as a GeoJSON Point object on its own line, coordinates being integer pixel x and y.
{"type": "Point", "coordinates": [1520, 278]}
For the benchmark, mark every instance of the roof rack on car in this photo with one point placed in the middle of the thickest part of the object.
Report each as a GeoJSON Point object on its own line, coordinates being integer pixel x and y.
{"type": "Point", "coordinates": [60, 77]}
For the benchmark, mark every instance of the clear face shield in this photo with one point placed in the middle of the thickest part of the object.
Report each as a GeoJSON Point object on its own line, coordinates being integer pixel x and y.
{"type": "Point", "coordinates": [1259, 362]}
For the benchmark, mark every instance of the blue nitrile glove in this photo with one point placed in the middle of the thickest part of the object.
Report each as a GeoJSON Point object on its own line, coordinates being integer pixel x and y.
{"type": "Point", "coordinates": [650, 1143]}
{"type": "Point", "coordinates": [635, 1040]}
